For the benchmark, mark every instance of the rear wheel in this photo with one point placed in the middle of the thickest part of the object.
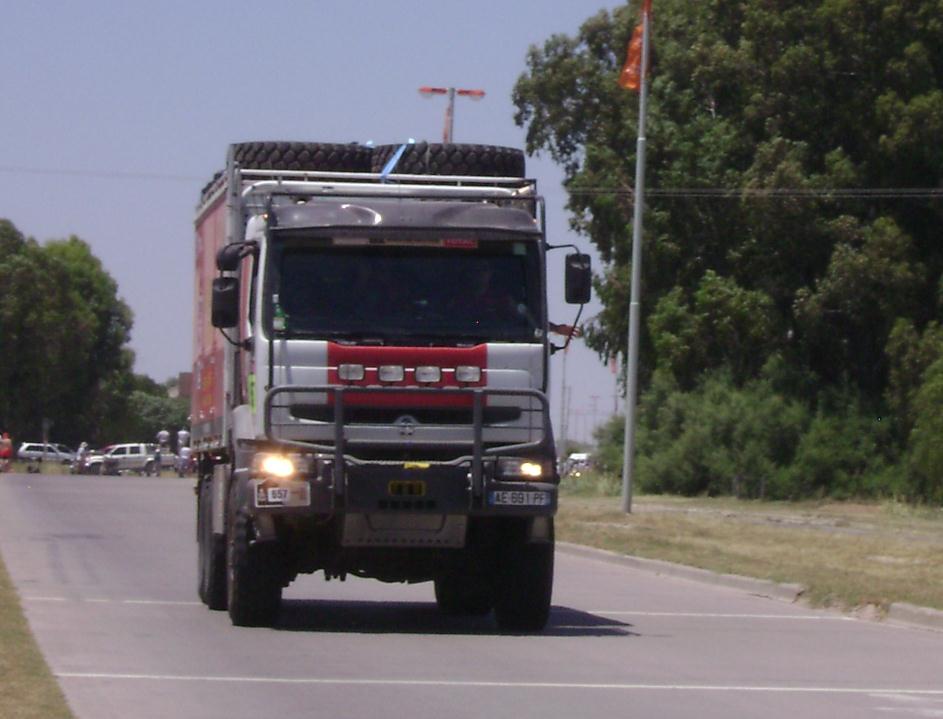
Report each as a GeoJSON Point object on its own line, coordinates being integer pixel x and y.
{"type": "Point", "coordinates": [254, 583]}
{"type": "Point", "coordinates": [211, 565]}
{"type": "Point", "coordinates": [525, 581]}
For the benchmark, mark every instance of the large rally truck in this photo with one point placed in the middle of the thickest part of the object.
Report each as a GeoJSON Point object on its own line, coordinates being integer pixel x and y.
{"type": "Point", "coordinates": [370, 376]}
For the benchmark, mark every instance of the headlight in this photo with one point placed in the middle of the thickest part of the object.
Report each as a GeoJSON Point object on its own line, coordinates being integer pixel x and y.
{"type": "Point", "coordinates": [276, 466]}
{"type": "Point", "coordinates": [518, 468]}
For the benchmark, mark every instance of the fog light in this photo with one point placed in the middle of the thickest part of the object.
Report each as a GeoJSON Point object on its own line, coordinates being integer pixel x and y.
{"type": "Point", "coordinates": [391, 373]}
{"type": "Point", "coordinates": [467, 373]}
{"type": "Point", "coordinates": [350, 372]}
{"type": "Point", "coordinates": [428, 375]}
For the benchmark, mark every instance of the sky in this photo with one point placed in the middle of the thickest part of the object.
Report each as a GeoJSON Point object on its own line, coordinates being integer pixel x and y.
{"type": "Point", "coordinates": [115, 114]}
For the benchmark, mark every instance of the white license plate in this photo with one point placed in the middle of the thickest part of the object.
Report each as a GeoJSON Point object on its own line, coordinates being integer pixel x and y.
{"type": "Point", "coordinates": [520, 499]}
{"type": "Point", "coordinates": [279, 495]}
{"type": "Point", "coordinates": [293, 495]}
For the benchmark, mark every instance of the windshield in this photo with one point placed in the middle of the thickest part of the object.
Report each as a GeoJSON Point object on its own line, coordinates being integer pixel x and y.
{"type": "Point", "coordinates": [462, 291]}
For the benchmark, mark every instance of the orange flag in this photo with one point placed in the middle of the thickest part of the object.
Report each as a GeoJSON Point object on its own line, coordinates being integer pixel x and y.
{"type": "Point", "coordinates": [631, 76]}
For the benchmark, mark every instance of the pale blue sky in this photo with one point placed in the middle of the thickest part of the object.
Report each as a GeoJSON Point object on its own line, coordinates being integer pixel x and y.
{"type": "Point", "coordinates": [116, 113]}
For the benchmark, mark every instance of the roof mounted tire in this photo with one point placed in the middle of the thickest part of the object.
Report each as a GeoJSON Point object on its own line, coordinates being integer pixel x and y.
{"type": "Point", "coordinates": [314, 156]}
{"type": "Point", "coordinates": [425, 158]}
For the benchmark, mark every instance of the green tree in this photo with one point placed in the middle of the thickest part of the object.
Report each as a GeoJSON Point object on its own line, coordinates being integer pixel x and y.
{"type": "Point", "coordinates": [778, 102]}
{"type": "Point", "coordinates": [758, 112]}
{"type": "Point", "coordinates": [64, 333]}
{"type": "Point", "coordinates": [926, 455]}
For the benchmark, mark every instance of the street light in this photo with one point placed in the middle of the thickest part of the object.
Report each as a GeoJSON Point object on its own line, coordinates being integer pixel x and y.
{"type": "Point", "coordinates": [427, 91]}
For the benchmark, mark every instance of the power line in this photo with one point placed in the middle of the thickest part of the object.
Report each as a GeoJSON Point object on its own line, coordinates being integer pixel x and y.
{"type": "Point", "coordinates": [728, 193]}
{"type": "Point", "coordinates": [101, 174]}
{"type": "Point", "coordinates": [736, 193]}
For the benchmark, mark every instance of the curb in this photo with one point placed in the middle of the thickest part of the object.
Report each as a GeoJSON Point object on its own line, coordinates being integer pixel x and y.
{"type": "Point", "coordinates": [759, 587]}
{"type": "Point", "coordinates": [911, 614]}
{"type": "Point", "coordinates": [898, 613]}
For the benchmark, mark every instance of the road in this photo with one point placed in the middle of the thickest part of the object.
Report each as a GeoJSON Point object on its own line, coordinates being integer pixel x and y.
{"type": "Point", "coordinates": [105, 568]}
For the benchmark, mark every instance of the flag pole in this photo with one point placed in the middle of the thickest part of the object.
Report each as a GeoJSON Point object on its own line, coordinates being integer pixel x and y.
{"type": "Point", "coordinates": [631, 398]}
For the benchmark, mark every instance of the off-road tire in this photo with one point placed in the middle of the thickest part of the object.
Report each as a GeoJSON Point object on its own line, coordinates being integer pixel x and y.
{"type": "Point", "coordinates": [148, 469]}
{"type": "Point", "coordinates": [254, 584]}
{"type": "Point", "coordinates": [424, 158]}
{"type": "Point", "coordinates": [303, 156]}
{"type": "Point", "coordinates": [313, 156]}
{"type": "Point", "coordinates": [211, 554]}
{"type": "Point", "coordinates": [463, 595]}
{"type": "Point", "coordinates": [525, 581]}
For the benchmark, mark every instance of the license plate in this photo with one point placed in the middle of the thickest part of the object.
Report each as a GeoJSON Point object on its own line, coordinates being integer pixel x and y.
{"type": "Point", "coordinates": [520, 499]}
{"type": "Point", "coordinates": [406, 488]}
{"type": "Point", "coordinates": [293, 495]}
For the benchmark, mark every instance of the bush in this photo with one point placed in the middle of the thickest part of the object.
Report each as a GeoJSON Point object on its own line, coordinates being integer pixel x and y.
{"type": "Point", "coordinates": [841, 455]}
{"type": "Point", "coordinates": [717, 439]}
{"type": "Point", "coordinates": [925, 460]}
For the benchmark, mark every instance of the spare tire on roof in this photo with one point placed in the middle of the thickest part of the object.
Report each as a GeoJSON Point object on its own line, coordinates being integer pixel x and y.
{"type": "Point", "coordinates": [425, 158]}
{"type": "Point", "coordinates": [312, 156]}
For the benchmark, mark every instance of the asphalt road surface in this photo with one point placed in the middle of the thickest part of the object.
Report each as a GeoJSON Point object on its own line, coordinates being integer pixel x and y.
{"type": "Point", "coordinates": [105, 568]}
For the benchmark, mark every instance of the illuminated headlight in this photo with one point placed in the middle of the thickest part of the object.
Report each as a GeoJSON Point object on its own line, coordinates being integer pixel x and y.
{"type": "Point", "coordinates": [515, 468]}
{"type": "Point", "coordinates": [391, 373]}
{"type": "Point", "coordinates": [276, 466]}
{"type": "Point", "coordinates": [428, 375]}
{"type": "Point", "coordinates": [350, 372]}
{"type": "Point", "coordinates": [466, 373]}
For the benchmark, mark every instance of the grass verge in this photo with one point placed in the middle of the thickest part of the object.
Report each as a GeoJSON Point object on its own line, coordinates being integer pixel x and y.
{"type": "Point", "coordinates": [28, 689]}
{"type": "Point", "coordinates": [847, 555]}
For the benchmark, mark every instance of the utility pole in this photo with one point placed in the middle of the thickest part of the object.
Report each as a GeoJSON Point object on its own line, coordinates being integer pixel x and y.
{"type": "Point", "coordinates": [631, 380]}
{"type": "Point", "coordinates": [594, 398]}
{"type": "Point", "coordinates": [447, 130]}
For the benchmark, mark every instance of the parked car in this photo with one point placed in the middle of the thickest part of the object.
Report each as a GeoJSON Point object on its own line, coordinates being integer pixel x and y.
{"type": "Point", "coordinates": [38, 451]}
{"type": "Point", "coordinates": [118, 458]}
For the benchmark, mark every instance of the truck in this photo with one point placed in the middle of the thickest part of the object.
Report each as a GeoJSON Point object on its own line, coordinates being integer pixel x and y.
{"type": "Point", "coordinates": [371, 355]}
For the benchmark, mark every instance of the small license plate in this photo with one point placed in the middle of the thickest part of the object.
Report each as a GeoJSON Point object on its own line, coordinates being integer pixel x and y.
{"type": "Point", "coordinates": [292, 495]}
{"type": "Point", "coordinates": [507, 498]}
{"type": "Point", "coordinates": [406, 488]}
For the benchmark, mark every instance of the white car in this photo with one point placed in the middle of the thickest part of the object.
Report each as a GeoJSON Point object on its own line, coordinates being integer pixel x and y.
{"type": "Point", "coordinates": [123, 458]}
{"type": "Point", "coordinates": [38, 451]}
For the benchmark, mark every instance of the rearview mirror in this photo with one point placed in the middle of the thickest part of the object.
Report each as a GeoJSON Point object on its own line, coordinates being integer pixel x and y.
{"type": "Point", "coordinates": [225, 309]}
{"type": "Point", "coordinates": [579, 278]}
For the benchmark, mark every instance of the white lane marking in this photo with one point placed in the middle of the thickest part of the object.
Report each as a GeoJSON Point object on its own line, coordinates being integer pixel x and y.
{"type": "Point", "coordinates": [718, 615]}
{"type": "Point", "coordinates": [501, 685]}
{"type": "Point", "coordinates": [909, 704]}
{"type": "Point", "coordinates": [97, 600]}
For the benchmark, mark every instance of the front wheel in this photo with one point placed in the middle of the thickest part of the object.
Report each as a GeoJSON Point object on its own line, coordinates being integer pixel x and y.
{"type": "Point", "coordinates": [463, 595]}
{"type": "Point", "coordinates": [211, 553]}
{"type": "Point", "coordinates": [525, 581]}
{"type": "Point", "coordinates": [254, 583]}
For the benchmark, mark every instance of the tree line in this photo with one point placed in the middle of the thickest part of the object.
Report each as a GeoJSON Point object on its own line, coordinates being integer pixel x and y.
{"type": "Point", "coordinates": [793, 249]}
{"type": "Point", "coordinates": [64, 355]}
